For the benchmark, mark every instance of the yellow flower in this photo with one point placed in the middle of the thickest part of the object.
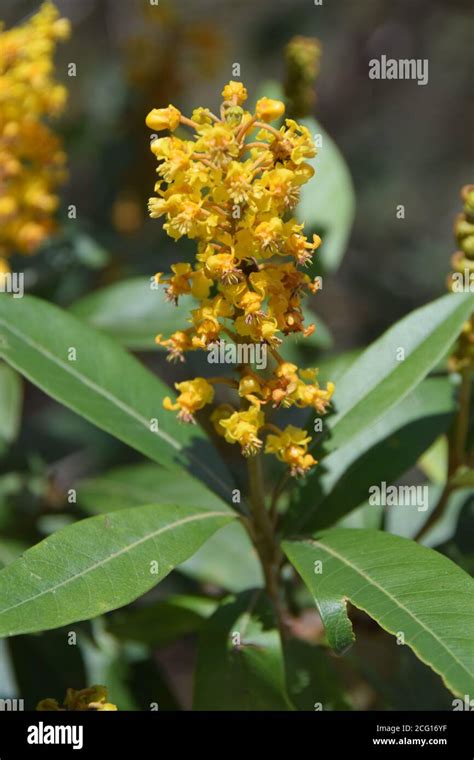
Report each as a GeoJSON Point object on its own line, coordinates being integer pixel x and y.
{"type": "Point", "coordinates": [222, 266]}
{"type": "Point", "coordinates": [193, 395]}
{"type": "Point", "coordinates": [177, 344]}
{"type": "Point", "coordinates": [235, 91]}
{"type": "Point", "coordinates": [242, 428]}
{"type": "Point", "coordinates": [313, 395]}
{"type": "Point", "coordinates": [185, 281]}
{"type": "Point", "coordinates": [268, 109]}
{"type": "Point", "coordinates": [291, 446]}
{"type": "Point", "coordinates": [93, 698]}
{"type": "Point", "coordinates": [163, 118]}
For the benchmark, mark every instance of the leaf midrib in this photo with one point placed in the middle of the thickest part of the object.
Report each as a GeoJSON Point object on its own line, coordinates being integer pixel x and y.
{"type": "Point", "coordinates": [397, 603]}
{"type": "Point", "coordinates": [114, 555]}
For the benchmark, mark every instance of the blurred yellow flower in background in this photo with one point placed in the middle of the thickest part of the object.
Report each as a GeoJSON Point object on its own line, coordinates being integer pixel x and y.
{"type": "Point", "coordinates": [32, 161]}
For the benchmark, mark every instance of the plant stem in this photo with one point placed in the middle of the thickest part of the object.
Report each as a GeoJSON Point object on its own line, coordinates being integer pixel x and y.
{"type": "Point", "coordinates": [264, 539]}
{"type": "Point", "coordinates": [456, 452]}
{"type": "Point", "coordinates": [462, 421]}
{"type": "Point", "coordinates": [437, 512]}
{"type": "Point", "coordinates": [276, 495]}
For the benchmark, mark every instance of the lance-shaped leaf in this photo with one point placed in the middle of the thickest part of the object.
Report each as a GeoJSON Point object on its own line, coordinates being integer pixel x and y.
{"type": "Point", "coordinates": [380, 452]}
{"type": "Point", "coordinates": [392, 366]}
{"type": "Point", "coordinates": [100, 564]}
{"type": "Point", "coordinates": [411, 591]}
{"type": "Point", "coordinates": [240, 662]}
{"type": "Point", "coordinates": [95, 377]}
{"type": "Point", "coordinates": [133, 312]}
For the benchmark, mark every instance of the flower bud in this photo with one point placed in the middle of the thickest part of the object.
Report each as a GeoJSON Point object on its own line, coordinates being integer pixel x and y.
{"type": "Point", "coordinates": [235, 91]}
{"type": "Point", "coordinates": [268, 109]}
{"type": "Point", "coordinates": [163, 118]}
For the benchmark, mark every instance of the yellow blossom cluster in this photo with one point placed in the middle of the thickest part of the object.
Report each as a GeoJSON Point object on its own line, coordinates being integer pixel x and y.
{"type": "Point", "coordinates": [462, 277]}
{"type": "Point", "coordinates": [233, 189]}
{"type": "Point", "coordinates": [32, 161]}
{"type": "Point", "coordinates": [79, 700]}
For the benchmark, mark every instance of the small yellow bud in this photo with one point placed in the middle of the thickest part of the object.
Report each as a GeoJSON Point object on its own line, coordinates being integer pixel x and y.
{"type": "Point", "coordinates": [268, 109]}
{"type": "Point", "coordinates": [163, 118]}
{"type": "Point", "coordinates": [235, 91]}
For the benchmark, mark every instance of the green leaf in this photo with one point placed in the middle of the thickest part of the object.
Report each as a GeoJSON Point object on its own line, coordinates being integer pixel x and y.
{"type": "Point", "coordinates": [102, 383]}
{"type": "Point", "coordinates": [99, 564]}
{"type": "Point", "coordinates": [333, 367]}
{"type": "Point", "coordinates": [163, 621]}
{"type": "Point", "coordinates": [133, 312]}
{"type": "Point", "coordinates": [227, 560]}
{"type": "Point", "coordinates": [408, 589]}
{"type": "Point", "coordinates": [11, 396]}
{"type": "Point", "coordinates": [378, 379]}
{"type": "Point", "coordinates": [327, 202]}
{"type": "Point", "coordinates": [381, 452]}
{"type": "Point", "coordinates": [240, 660]}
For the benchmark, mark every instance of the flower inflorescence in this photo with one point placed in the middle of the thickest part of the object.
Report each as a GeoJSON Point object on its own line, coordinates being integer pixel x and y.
{"type": "Point", "coordinates": [32, 162]}
{"type": "Point", "coordinates": [233, 189]}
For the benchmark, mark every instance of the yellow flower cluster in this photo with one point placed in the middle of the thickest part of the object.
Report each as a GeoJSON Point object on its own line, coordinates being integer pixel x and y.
{"type": "Point", "coordinates": [79, 700]}
{"type": "Point", "coordinates": [462, 277]}
{"type": "Point", "coordinates": [31, 158]}
{"type": "Point", "coordinates": [233, 189]}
